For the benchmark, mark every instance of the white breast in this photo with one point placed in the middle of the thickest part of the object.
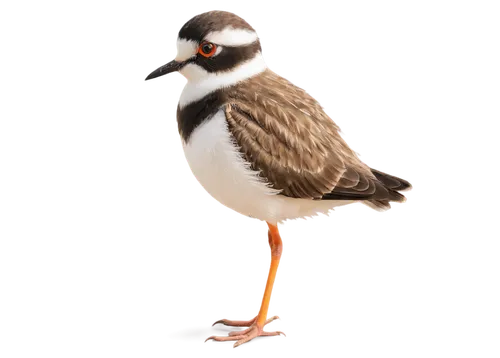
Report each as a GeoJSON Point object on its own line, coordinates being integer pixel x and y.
{"type": "Point", "coordinates": [220, 168]}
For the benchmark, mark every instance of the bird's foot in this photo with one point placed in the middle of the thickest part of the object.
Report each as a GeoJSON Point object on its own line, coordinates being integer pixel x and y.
{"type": "Point", "coordinates": [253, 330]}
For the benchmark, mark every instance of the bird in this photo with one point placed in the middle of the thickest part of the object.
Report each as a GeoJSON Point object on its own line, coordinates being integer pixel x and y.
{"type": "Point", "coordinates": [261, 145]}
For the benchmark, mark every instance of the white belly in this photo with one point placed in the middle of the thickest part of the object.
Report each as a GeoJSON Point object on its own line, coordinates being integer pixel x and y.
{"type": "Point", "coordinates": [220, 168]}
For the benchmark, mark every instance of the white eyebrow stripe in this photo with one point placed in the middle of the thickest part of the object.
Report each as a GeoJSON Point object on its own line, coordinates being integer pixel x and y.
{"type": "Point", "coordinates": [232, 37]}
{"type": "Point", "coordinates": [186, 49]}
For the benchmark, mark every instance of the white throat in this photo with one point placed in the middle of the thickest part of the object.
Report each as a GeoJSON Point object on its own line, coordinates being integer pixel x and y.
{"type": "Point", "coordinates": [200, 82]}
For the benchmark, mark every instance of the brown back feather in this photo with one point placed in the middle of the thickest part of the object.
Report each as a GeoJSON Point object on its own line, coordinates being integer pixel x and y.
{"type": "Point", "coordinates": [285, 134]}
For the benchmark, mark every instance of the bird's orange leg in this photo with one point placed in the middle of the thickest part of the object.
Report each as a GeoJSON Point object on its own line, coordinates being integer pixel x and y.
{"type": "Point", "coordinates": [275, 249]}
{"type": "Point", "coordinates": [256, 325]}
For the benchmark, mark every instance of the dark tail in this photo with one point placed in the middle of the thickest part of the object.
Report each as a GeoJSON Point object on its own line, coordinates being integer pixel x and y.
{"type": "Point", "coordinates": [393, 185]}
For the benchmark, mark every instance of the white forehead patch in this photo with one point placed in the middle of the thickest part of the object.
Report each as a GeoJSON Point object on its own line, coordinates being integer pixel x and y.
{"type": "Point", "coordinates": [185, 49]}
{"type": "Point", "coordinates": [232, 37]}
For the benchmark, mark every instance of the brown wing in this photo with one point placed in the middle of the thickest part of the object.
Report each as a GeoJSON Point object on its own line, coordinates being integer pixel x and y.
{"type": "Point", "coordinates": [285, 134]}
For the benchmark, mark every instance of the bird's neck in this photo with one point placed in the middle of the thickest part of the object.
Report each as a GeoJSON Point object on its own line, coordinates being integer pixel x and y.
{"type": "Point", "coordinates": [201, 83]}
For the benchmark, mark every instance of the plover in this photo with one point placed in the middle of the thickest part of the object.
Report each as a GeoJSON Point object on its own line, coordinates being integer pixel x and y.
{"type": "Point", "coordinates": [259, 144]}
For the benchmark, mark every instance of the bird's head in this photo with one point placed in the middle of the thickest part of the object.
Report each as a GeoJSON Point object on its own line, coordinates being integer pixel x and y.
{"type": "Point", "coordinates": [214, 43]}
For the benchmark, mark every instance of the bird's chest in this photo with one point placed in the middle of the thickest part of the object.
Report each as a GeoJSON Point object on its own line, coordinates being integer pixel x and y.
{"type": "Point", "coordinates": [216, 162]}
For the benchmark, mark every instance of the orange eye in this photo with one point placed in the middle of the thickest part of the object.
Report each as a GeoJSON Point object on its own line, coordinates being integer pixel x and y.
{"type": "Point", "coordinates": [207, 49]}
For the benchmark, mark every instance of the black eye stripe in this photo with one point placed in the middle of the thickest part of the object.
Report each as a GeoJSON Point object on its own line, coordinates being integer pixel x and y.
{"type": "Point", "coordinates": [228, 58]}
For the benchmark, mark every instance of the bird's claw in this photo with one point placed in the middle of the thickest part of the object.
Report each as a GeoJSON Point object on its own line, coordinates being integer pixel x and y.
{"type": "Point", "coordinates": [246, 335]}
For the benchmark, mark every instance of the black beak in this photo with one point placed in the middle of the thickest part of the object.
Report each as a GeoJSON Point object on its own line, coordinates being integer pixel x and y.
{"type": "Point", "coordinates": [165, 69]}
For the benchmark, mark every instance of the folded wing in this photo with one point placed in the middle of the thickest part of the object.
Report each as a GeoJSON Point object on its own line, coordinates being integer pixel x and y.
{"type": "Point", "coordinates": [286, 136]}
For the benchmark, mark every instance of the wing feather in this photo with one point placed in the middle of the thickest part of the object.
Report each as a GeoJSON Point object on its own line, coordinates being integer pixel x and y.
{"type": "Point", "coordinates": [286, 136]}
